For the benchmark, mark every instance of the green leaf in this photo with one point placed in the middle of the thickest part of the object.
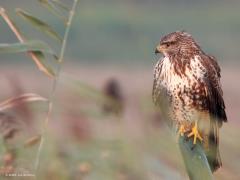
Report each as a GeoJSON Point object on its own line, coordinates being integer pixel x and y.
{"type": "Point", "coordinates": [40, 61]}
{"type": "Point", "coordinates": [39, 24]}
{"type": "Point", "coordinates": [51, 7]}
{"type": "Point", "coordinates": [34, 46]}
{"type": "Point", "coordinates": [36, 49]}
{"type": "Point", "coordinates": [37, 56]}
{"type": "Point", "coordinates": [60, 5]}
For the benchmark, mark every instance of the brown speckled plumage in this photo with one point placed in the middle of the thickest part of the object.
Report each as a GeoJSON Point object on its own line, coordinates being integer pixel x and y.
{"type": "Point", "coordinates": [188, 80]}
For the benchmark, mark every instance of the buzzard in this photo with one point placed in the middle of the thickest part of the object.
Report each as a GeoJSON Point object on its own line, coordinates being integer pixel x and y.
{"type": "Point", "coordinates": [187, 81]}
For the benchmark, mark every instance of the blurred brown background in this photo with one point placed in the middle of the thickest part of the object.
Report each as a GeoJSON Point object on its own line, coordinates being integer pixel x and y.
{"type": "Point", "coordinates": [116, 40]}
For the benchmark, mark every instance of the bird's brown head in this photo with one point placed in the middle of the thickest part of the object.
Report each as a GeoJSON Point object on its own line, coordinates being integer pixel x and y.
{"type": "Point", "coordinates": [176, 42]}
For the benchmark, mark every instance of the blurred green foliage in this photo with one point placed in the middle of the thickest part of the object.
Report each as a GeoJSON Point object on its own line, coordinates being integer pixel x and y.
{"type": "Point", "coordinates": [127, 31]}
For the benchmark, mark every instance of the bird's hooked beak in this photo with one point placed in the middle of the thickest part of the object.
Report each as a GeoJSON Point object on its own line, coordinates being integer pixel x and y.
{"type": "Point", "coordinates": [159, 49]}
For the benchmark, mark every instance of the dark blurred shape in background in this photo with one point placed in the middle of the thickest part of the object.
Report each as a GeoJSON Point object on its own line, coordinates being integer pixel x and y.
{"type": "Point", "coordinates": [113, 91]}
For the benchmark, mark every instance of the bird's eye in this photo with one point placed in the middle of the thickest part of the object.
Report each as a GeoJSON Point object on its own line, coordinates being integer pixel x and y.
{"type": "Point", "coordinates": [167, 44]}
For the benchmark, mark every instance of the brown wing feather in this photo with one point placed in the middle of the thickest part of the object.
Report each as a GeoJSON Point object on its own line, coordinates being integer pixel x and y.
{"type": "Point", "coordinates": [215, 102]}
{"type": "Point", "coordinates": [216, 108]}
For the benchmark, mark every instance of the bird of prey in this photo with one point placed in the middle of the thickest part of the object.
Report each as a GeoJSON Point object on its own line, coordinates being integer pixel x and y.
{"type": "Point", "coordinates": [187, 81]}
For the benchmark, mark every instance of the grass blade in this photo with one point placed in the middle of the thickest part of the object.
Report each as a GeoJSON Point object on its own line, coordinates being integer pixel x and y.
{"type": "Point", "coordinates": [32, 141]}
{"type": "Point", "coordinates": [60, 5]}
{"type": "Point", "coordinates": [36, 49]}
{"type": "Point", "coordinates": [27, 46]}
{"type": "Point", "coordinates": [37, 57]}
{"type": "Point", "coordinates": [39, 24]}
{"type": "Point", "coordinates": [16, 101]}
{"type": "Point", "coordinates": [51, 7]}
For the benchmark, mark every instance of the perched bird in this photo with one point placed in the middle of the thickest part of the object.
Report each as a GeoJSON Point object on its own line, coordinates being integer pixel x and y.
{"type": "Point", "coordinates": [187, 81]}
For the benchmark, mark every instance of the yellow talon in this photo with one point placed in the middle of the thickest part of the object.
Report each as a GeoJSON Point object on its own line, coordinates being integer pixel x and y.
{"type": "Point", "coordinates": [195, 134]}
{"type": "Point", "coordinates": [181, 130]}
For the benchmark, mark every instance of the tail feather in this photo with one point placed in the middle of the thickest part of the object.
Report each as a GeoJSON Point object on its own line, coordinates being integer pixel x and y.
{"type": "Point", "coordinates": [213, 154]}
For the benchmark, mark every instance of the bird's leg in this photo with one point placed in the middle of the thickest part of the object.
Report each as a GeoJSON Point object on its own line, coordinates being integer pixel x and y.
{"type": "Point", "coordinates": [194, 132]}
{"type": "Point", "coordinates": [181, 130]}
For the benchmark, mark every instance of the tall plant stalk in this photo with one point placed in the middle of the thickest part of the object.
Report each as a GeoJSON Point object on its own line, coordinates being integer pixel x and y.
{"type": "Point", "coordinates": [195, 160]}
{"type": "Point", "coordinates": [55, 81]}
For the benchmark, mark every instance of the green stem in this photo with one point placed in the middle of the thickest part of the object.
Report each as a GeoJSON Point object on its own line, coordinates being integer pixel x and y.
{"type": "Point", "coordinates": [195, 159]}
{"type": "Point", "coordinates": [55, 81]}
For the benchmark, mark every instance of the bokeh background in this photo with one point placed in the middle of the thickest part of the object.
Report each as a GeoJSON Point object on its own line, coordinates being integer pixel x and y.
{"type": "Point", "coordinates": [111, 51]}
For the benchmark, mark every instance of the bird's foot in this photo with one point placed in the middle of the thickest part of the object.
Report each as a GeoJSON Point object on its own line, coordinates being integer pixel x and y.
{"type": "Point", "coordinates": [181, 130]}
{"type": "Point", "coordinates": [196, 135]}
